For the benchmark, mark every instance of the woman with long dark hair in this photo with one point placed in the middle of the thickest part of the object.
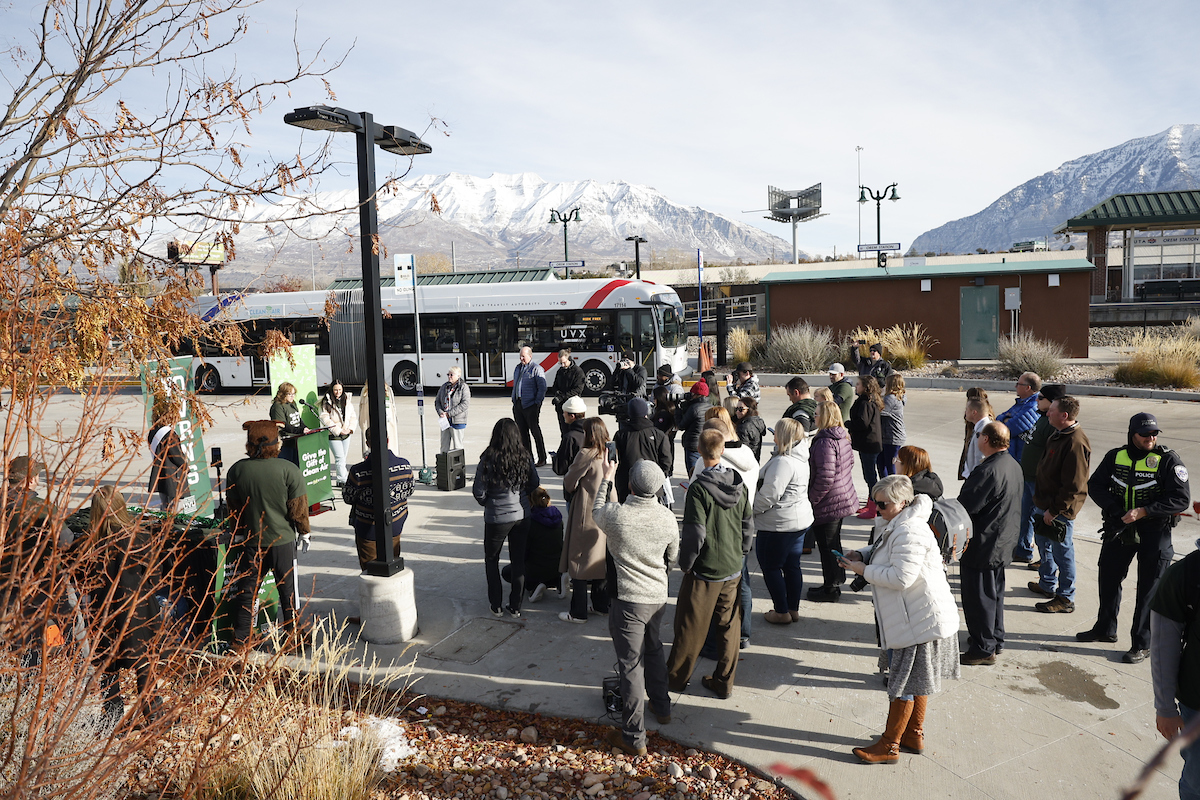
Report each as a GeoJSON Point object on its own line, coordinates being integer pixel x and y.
{"type": "Point", "coordinates": [750, 426]}
{"type": "Point", "coordinates": [866, 434]}
{"type": "Point", "coordinates": [339, 418]}
{"type": "Point", "coordinates": [504, 480]}
{"type": "Point", "coordinates": [585, 544]}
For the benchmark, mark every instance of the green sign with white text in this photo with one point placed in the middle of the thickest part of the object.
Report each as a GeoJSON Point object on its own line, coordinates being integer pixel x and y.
{"type": "Point", "coordinates": [177, 386]}
{"type": "Point", "coordinates": [301, 372]}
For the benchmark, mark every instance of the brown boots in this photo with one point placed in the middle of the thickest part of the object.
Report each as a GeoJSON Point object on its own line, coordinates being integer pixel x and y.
{"type": "Point", "coordinates": [905, 726]}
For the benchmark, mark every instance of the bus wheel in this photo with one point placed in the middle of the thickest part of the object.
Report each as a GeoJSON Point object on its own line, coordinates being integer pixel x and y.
{"type": "Point", "coordinates": [209, 380]}
{"type": "Point", "coordinates": [404, 378]}
{"type": "Point", "coordinates": [595, 377]}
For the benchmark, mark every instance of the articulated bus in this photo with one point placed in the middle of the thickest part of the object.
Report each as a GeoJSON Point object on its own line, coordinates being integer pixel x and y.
{"type": "Point", "coordinates": [478, 327]}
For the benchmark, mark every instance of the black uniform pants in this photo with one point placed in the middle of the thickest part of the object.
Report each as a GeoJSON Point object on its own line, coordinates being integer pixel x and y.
{"type": "Point", "coordinates": [1154, 555]}
{"type": "Point", "coordinates": [252, 565]}
{"type": "Point", "coordinates": [983, 606]}
{"type": "Point", "coordinates": [527, 418]}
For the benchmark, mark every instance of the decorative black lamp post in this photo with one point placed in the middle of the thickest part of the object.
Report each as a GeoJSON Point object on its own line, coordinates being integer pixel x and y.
{"type": "Point", "coordinates": [637, 253]}
{"type": "Point", "coordinates": [557, 216]}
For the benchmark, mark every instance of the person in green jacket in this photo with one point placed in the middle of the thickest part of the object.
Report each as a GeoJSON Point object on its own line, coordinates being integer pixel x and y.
{"type": "Point", "coordinates": [268, 500]}
{"type": "Point", "coordinates": [842, 388]}
{"type": "Point", "coordinates": [718, 527]}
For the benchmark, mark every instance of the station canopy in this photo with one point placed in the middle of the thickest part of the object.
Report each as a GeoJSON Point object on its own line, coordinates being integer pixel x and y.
{"type": "Point", "coordinates": [1143, 211]}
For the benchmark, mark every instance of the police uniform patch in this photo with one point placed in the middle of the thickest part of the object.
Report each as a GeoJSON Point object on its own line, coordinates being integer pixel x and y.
{"type": "Point", "coordinates": [1181, 472]}
{"type": "Point", "coordinates": [1152, 460]}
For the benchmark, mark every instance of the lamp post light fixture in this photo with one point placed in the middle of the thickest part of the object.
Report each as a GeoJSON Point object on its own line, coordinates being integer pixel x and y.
{"type": "Point", "coordinates": [863, 193]}
{"type": "Point", "coordinates": [399, 141]}
{"type": "Point", "coordinates": [557, 216]}
{"type": "Point", "coordinates": [637, 253]}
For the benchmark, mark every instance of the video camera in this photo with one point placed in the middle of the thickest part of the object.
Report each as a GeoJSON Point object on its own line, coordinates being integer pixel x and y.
{"type": "Point", "coordinates": [616, 403]}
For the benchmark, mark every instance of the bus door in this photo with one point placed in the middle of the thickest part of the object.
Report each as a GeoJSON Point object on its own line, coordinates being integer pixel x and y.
{"type": "Point", "coordinates": [483, 354]}
{"type": "Point", "coordinates": [635, 334]}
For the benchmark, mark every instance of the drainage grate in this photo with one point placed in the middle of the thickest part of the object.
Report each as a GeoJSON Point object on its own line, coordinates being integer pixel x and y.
{"type": "Point", "coordinates": [473, 641]}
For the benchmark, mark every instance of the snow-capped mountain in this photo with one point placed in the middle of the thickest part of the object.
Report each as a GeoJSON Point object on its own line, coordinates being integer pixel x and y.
{"type": "Point", "coordinates": [1166, 161]}
{"type": "Point", "coordinates": [503, 220]}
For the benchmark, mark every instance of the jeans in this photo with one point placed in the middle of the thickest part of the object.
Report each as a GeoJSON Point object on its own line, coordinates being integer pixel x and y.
{"type": "Point", "coordinates": [337, 449]}
{"type": "Point", "coordinates": [636, 630]}
{"type": "Point", "coordinates": [1189, 780]}
{"type": "Point", "coordinates": [778, 556]}
{"type": "Point", "coordinates": [494, 534]}
{"type": "Point", "coordinates": [885, 462]}
{"type": "Point", "coordinates": [1024, 549]}
{"type": "Point", "coordinates": [690, 459]}
{"type": "Point", "coordinates": [1057, 557]}
{"type": "Point", "coordinates": [870, 475]}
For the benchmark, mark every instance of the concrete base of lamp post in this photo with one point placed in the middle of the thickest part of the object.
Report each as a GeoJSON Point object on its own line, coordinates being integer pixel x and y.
{"type": "Point", "coordinates": [387, 608]}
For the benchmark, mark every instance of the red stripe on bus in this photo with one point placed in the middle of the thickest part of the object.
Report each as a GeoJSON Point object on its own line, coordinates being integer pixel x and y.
{"type": "Point", "coordinates": [547, 362]}
{"type": "Point", "coordinates": [595, 300]}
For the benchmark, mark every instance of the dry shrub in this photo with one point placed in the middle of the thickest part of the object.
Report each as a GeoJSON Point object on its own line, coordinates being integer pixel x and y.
{"type": "Point", "coordinates": [904, 346]}
{"type": "Point", "coordinates": [743, 345]}
{"type": "Point", "coordinates": [801, 348]}
{"type": "Point", "coordinates": [1161, 362]}
{"type": "Point", "coordinates": [1024, 352]}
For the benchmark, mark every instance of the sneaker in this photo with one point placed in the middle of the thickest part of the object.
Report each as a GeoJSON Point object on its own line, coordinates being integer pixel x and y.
{"type": "Point", "coordinates": [497, 612]}
{"type": "Point", "coordinates": [823, 594]}
{"type": "Point", "coordinates": [1034, 565]}
{"type": "Point", "coordinates": [1037, 589]}
{"type": "Point", "coordinates": [1094, 635]}
{"type": "Point", "coordinates": [1059, 605]}
{"type": "Point", "coordinates": [538, 593]}
{"type": "Point", "coordinates": [515, 613]}
{"type": "Point", "coordinates": [977, 658]}
{"type": "Point", "coordinates": [744, 643]}
{"type": "Point", "coordinates": [616, 739]}
{"type": "Point", "coordinates": [708, 683]}
{"type": "Point", "coordinates": [1135, 656]}
{"type": "Point", "coordinates": [565, 616]}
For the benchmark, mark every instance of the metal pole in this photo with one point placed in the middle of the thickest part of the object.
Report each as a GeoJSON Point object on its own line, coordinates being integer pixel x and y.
{"type": "Point", "coordinates": [454, 264]}
{"type": "Point", "coordinates": [795, 252]}
{"type": "Point", "coordinates": [566, 255]}
{"type": "Point", "coordinates": [699, 300]}
{"type": "Point", "coordinates": [424, 477]}
{"type": "Point", "coordinates": [878, 224]}
{"type": "Point", "coordinates": [385, 563]}
{"type": "Point", "coordinates": [637, 258]}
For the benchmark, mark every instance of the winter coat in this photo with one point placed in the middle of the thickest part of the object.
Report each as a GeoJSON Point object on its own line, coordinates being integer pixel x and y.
{"type": "Point", "coordinates": [543, 548]}
{"type": "Point", "coordinates": [529, 384]}
{"type": "Point", "coordinates": [718, 525]}
{"type": "Point", "coordinates": [584, 544]}
{"type": "Point", "coordinates": [639, 440]}
{"type": "Point", "coordinates": [268, 499]}
{"type": "Point", "coordinates": [632, 381]}
{"type": "Point", "coordinates": [1035, 448]}
{"type": "Point", "coordinates": [568, 448]}
{"type": "Point", "coordinates": [781, 502]}
{"type": "Point", "coordinates": [738, 458]}
{"type": "Point", "coordinates": [1062, 475]}
{"type": "Point", "coordinates": [690, 420]}
{"type": "Point", "coordinates": [124, 597]}
{"type": "Point", "coordinates": [927, 483]}
{"type": "Point", "coordinates": [454, 399]}
{"type": "Point", "coordinates": [334, 417]}
{"type": "Point", "coordinates": [168, 466]}
{"type": "Point", "coordinates": [913, 601]}
{"type": "Point", "coordinates": [751, 431]}
{"type": "Point", "coordinates": [891, 420]}
{"type": "Point", "coordinates": [805, 412]}
{"type": "Point", "coordinates": [866, 433]}
{"type": "Point", "coordinates": [843, 395]}
{"type": "Point", "coordinates": [991, 496]}
{"type": "Point", "coordinates": [831, 490]}
{"type": "Point", "coordinates": [568, 383]}
{"type": "Point", "coordinates": [747, 388]}
{"type": "Point", "coordinates": [880, 370]}
{"type": "Point", "coordinates": [502, 503]}
{"type": "Point", "coordinates": [1020, 420]}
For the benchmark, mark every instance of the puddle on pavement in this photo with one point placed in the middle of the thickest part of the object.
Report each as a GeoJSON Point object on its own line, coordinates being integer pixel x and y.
{"type": "Point", "coordinates": [1069, 681]}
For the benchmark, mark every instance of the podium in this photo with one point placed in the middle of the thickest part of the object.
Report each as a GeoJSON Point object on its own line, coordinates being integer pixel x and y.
{"type": "Point", "coordinates": [311, 451]}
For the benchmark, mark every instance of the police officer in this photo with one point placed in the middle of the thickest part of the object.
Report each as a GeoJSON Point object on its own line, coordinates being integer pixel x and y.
{"type": "Point", "coordinates": [1140, 489]}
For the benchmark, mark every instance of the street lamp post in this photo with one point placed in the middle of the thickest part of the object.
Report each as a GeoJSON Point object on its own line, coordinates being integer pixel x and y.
{"type": "Point", "coordinates": [400, 141]}
{"type": "Point", "coordinates": [863, 192]}
{"type": "Point", "coordinates": [557, 216]}
{"type": "Point", "coordinates": [637, 253]}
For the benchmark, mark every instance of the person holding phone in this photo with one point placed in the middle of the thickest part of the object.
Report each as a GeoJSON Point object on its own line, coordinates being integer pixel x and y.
{"type": "Point", "coordinates": [915, 609]}
{"type": "Point", "coordinates": [585, 545]}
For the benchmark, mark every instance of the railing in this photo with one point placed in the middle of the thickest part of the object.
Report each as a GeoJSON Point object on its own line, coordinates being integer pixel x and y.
{"type": "Point", "coordinates": [740, 307]}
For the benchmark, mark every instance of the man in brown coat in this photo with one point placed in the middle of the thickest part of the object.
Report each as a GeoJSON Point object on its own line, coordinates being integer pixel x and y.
{"type": "Point", "coordinates": [1058, 495]}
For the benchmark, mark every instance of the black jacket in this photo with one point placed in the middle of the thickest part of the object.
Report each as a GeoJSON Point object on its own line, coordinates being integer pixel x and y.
{"type": "Point", "coordinates": [632, 381]}
{"type": "Point", "coordinates": [751, 431]}
{"type": "Point", "coordinates": [168, 468]}
{"type": "Point", "coordinates": [639, 440]}
{"type": "Point", "coordinates": [572, 443]}
{"type": "Point", "coordinates": [880, 369]}
{"type": "Point", "coordinates": [991, 495]}
{"type": "Point", "coordinates": [568, 383]}
{"type": "Point", "coordinates": [1168, 498]}
{"type": "Point", "coordinates": [689, 418]}
{"type": "Point", "coordinates": [927, 483]}
{"type": "Point", "coordinates": [866, 433]}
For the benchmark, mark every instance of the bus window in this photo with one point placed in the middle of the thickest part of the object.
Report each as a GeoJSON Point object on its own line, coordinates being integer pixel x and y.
{"type": "Point", "coordinates": [671, 331]}
{"type": "Point", "coordinates": [646, 339]}
{"type": "Point", "coordinates": [398, 334]}
{"type": "Point", "coordinates": [595, 331]}
{"type": "Point", "coordinates": [439, 333]}
{"type": "Point", "coordinates": [626, 341]}
{"type": "Point", "coordinates": [311, 331]}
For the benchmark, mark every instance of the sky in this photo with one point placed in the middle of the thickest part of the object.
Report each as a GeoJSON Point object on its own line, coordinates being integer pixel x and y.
{"type": "Point", "coordinates": [710, 102]}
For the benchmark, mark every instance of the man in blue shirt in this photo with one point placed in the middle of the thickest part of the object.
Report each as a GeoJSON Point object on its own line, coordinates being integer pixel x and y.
{"type": "Point", "coordinates": [1020, 421]}
{"type": "Point", "coordinates": [529, 390]}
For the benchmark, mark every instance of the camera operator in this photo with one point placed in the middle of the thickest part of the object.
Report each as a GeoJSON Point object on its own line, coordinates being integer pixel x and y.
{"type": "Point", "coordinates": [630, 377]}
{"type": "Point", "coordinates": [1140, 488]}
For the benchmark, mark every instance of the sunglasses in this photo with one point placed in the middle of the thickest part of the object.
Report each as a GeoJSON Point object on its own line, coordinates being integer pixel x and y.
{"type": "Point", "coordinates": [882, 505]}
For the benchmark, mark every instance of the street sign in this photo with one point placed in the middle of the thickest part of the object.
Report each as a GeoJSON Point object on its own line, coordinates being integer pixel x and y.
{"type": "Point", "coordinates": [879, 248]}
{"type": "Point", "coordinates": [565, 264]}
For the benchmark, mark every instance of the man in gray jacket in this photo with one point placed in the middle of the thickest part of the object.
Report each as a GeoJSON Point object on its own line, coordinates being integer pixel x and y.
{"type": "Point", "coordinates": [643, 541]}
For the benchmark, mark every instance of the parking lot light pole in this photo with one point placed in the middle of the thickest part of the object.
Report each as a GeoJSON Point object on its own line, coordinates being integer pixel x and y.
{"type": "Point", "coordinates": [863, 192]}
{"type": "Point", "coordinates": [637, 253]}
{"type": "Point", "coordinates": [401, 142]}
{"type": "Point", "coordinates": [557, 216]}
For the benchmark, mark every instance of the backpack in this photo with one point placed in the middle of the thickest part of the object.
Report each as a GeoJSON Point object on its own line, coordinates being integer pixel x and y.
{"type": "Point", "coordinates": [952, 526]}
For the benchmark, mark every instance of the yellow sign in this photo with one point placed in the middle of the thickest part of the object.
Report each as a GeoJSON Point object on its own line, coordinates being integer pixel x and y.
{"type": "Point", "coordinates": [201, 252]}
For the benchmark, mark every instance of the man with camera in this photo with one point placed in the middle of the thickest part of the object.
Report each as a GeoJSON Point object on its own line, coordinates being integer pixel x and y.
{"type": "Point", "coordinates": [1140, 488]}
{"type": "Point", "coordinates": [873, 364]}
{"type": "Point", "coordinates": [630, 378]}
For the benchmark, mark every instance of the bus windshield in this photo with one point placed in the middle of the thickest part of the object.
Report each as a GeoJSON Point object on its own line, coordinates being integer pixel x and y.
{"type": "Point", "coordinates": [671, 331]}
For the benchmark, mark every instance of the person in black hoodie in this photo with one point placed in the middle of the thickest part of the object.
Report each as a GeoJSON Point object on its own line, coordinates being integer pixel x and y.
{"type": "Point", "coordinates": [689, 418]}
{"type": "Point", "coordinates": [1140, 488]}
{"type": "Point", "coordinates": [750, 426]}
{"type": "Point", "coordinates": [543, 547]}
{"type": "Point", "coordinates": [574, 412]}
{"type": "Point", "coordinates": [718, 527]}
{"type": "Point", "coordinates": [991, 496]}
{"type": "Point", "coordinates": [914, 462]}
{"type": "Point", "coordinates": [568, 383]}
{"type": "Point", "coordinates": [639, 440]}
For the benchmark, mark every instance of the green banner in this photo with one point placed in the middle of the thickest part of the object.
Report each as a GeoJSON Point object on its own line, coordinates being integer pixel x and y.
{"type": "Point", "coordinates": [301, 372]}
{"type": "Point", "coordinates": [199, 500]}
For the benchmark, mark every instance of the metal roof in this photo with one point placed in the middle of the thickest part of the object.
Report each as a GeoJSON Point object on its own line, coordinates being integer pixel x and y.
{"type": "Point", "coordinates": [1141, 211]}
{"type": "Point", "coordinates": [896, 272]}
{"type": "Point", "coordinates": [450, 278]}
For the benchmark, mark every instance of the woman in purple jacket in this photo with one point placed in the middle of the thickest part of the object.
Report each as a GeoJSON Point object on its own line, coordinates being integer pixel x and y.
{"type": "Point", "coordinates": [831, 493]}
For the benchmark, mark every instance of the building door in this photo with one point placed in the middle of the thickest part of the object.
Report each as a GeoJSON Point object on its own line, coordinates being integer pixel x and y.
{"type": "Point", "coordinates": [979, 321]}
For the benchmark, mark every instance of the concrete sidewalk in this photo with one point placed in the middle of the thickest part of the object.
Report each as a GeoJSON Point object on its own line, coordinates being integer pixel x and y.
{"type": "Point", "coordinates": [1053, 718]}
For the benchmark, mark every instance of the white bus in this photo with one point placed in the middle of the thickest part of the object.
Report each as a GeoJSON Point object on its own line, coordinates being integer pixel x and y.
{"type": "Point", "coordinates": [479, 327]}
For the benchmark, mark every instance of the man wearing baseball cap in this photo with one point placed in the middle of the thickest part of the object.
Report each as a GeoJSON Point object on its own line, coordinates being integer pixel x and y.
{"type": "Point", "coordinates": [842, 389]}
{"type": "Point", "coordinates": [1140, 489]}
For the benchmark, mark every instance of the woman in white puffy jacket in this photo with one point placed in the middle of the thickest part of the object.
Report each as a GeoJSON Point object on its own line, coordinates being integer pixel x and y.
{"type": "Point", "coordinates": [782, 513]}
{"type": "Point", "coordinates": [918, 619]}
